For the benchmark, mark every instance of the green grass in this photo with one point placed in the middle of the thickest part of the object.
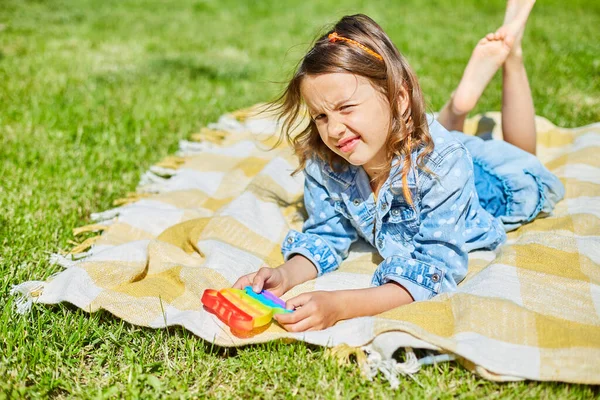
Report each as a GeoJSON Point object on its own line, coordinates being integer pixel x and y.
{"type": "Point", "coordinates": [94, 92]}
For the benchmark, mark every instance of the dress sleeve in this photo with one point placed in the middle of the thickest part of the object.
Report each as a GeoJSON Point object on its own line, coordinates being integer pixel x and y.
{"type": "Point", "coordinates": [326, 235]}
{"type": "Point", "coordinates": [439, 260]}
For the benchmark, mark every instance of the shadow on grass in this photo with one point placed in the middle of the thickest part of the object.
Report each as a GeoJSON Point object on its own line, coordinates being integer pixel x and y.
{"type": "Point", "coordinates": [201, 69]}
{"type": "Point", "coordinates": [212, 70]}
{"type": "Point", "coordinates": [105, 321]}
{"type": "Point", "coordinates": [106, 327]}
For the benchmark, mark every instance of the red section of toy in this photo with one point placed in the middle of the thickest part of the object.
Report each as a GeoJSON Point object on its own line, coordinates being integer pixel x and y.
{"type": "Point", "coordinates": [243, 310]}
{"type": "Point", "coordinates": [226, 311]}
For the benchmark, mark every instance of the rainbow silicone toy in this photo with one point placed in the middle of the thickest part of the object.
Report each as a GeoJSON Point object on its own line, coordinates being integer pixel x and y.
{"type": "Point", "coordinates": [243, 310]}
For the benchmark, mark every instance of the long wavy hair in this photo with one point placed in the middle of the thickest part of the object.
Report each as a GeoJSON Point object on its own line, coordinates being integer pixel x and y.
{"type": "Point", "coordinates": [391, 75]}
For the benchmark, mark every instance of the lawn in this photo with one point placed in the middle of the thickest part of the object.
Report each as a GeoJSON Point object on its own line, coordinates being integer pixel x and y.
{"type": "Point", "coordinates": [92, 93]}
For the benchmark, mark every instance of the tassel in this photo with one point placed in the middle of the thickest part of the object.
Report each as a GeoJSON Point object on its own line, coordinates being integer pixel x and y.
{"type": "Point", "coordinates": [209, 135]}
{"type": "Point", "coordinates": [162, 171]}
{"type": "Point", "coordinates": [343, 352]}
{"type": "Point", "coordinates": [150, 189]}
{"type": "Point", "coordinates": [89, 228]}
{"type": "Point", "coordinates": [227, 123]}
{"type": "Point", "coordinates": [187, 148]}
{"type": "Point", "coordinates": [130, 198]}
{"type": "Point", "coordinates": [243, 114]}
{"type": "Point", "coordinates": [105, 215]}
{"type": "Point", "coordinates": [150, 178]}
{"type": "Point", "coordinates": [27, 293]}
{"type": "Point", "coordinates": [64, 261]}
{"type": "Point", "coordinates": [390, 369]}
{"type": "Point", "coordinates": [86, 244]}
{"type": "Point", "coordinates": [171, 162]}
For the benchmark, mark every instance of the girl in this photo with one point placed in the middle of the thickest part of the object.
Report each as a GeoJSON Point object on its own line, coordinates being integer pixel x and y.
{"type": "Point", "coordinates": [418, 190]}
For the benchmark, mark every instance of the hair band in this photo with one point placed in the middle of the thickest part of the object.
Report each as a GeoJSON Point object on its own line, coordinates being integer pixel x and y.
{"type": "Point", "coordinates": [333, 37]}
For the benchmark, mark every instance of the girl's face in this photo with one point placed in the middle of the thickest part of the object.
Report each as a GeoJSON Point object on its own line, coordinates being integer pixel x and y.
{"type": "Point", "coordinates": [351, 115]}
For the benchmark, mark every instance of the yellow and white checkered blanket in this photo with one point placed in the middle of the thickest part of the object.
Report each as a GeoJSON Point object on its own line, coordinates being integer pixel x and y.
{"type": "Point", "coordinates": [221, 207]}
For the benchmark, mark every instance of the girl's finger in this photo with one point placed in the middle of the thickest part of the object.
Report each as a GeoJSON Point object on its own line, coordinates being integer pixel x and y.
{"type": "Point", "coordinates": [293, 317]}
{"type": "Point", "coordinates": [244, 281]}
{"type": "Point", "coordinates": [301, 326]}
{"type": "Point", "coordinates": [261, 276]}
{"type": "Point", "coordinates": [298, 301]}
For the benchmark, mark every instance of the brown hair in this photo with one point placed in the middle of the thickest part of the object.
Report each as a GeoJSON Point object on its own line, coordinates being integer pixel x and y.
{"type": "Point", "coordinates": [392, 76]}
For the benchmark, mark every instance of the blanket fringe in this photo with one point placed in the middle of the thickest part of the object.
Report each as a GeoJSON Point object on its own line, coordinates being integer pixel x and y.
{"type": "Point", "coordinates": [151, 189]}
{"type": "Point", "coordinates": [86, 244]}
{"type": "Point", "coordinates": [162, 171]}
{"type": "Point", "coordinates": [215, 136]}
{"type": "Point", "coordinates": [343, 352]}
{"type": "Point", "coordinates": [390, 369]}
{"type": "Point", "coordinates": [27, 293]}
{"type": "Point", "coordinates": [89, 228]}
{"type": "Point", "coordinates": [64, 261]}
{"type": "Point", "coordinates": [227, 123]}
{"type": "Point", "coordinates": [130, 198]}
{"type": "Point", "coordinates": [372, 363]}
{"type": "Point", "coordinates": [149, 178]}
{"type": "Point", "coordinates": [243, 114]}
{"type": "Point", "coordinates": [106, 215]}
{"type": "Point", "coordinates": [189, 148]}
{"type": "Point", "coordinates": [171, 162]}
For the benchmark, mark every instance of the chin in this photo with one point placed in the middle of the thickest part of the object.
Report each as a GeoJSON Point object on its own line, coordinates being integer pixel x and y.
{"type": "Point", "coordinates": [355, 160]}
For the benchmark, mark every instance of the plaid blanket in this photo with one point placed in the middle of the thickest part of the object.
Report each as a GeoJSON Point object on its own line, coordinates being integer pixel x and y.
{"type": "Point", "coordinates": [221, 207]}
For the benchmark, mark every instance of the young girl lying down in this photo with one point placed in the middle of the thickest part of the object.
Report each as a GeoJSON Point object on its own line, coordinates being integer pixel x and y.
{"type": "Point", "coordinates": [417, 189]}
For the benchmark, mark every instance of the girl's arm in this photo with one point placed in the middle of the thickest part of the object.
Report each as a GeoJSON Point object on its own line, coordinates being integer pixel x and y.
{"type": "Point", "coordinates": [320, 248]}
{"type": "Point", "coordinates": [298, 269]}
{"type": "Point", "coordinates": [320, 310]}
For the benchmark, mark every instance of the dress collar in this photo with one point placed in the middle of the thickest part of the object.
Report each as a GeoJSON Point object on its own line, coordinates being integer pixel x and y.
{"type": "Point", "coordinates": [347, 176]}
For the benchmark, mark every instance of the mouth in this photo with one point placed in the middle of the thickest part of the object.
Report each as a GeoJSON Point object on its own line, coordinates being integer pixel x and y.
{"type": "Point", "coordinates": [348, 144]}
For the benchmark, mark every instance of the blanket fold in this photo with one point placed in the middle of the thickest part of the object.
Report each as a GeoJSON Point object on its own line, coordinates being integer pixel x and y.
{"type": "Point", "coordinates": [221, 207]}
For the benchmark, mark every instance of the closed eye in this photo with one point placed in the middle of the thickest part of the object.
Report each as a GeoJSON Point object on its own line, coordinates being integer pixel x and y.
{"type": "Point", "coordinates": [347, 107]}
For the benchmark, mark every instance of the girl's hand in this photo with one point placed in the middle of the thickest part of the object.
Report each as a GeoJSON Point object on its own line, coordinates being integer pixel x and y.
{"type": "Point", "coordinates": [294, 271]}
{"type": "Point", "coordinates": [271, 279]}
{"type": "Point", "coordinates": [317, 310]}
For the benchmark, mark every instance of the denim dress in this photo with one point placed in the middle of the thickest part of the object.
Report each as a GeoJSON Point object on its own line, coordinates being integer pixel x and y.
{"type": "Point", "coordinates": [478, 191]}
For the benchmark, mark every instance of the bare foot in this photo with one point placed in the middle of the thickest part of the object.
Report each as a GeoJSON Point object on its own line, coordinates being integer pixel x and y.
{"type": "Point", "coordinates": [515, 18]}
{"type": "Point", "coordinates": [488, 56]}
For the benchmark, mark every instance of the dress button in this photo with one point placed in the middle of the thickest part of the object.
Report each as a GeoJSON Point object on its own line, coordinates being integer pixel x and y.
{"type": "Point", "coordinates": [395, 211]}
{"type": "Point", "coordinates": [384, 206]}
{"type": "Point", "coordinates": [435, 278]}
{"type": "Point", "coordinates": [290, 240]}
{"type": "Point", "coordinates": [356, 202]}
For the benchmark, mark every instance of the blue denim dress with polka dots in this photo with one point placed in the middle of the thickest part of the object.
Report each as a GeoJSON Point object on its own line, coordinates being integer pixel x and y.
{"type": "Point", "coordinates": [478, 190]}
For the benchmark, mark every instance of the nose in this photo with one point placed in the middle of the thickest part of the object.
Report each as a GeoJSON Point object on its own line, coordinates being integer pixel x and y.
{"type": "Point", "coordinates": [335, 128]}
